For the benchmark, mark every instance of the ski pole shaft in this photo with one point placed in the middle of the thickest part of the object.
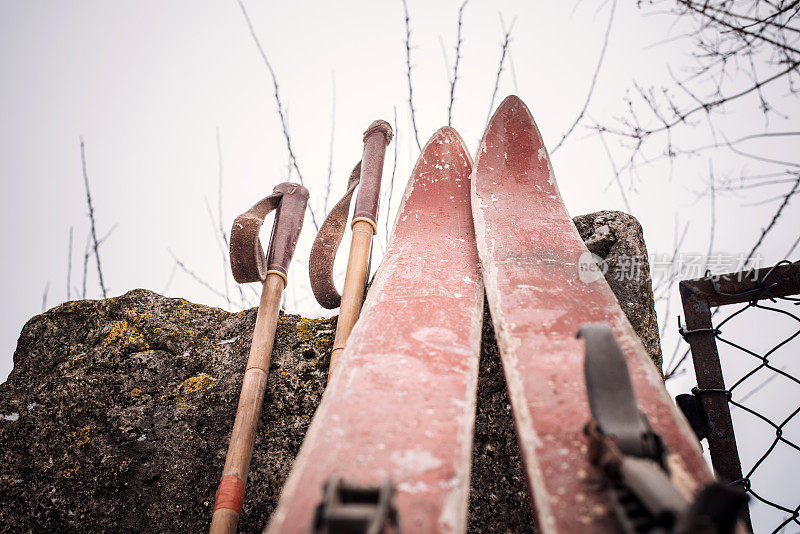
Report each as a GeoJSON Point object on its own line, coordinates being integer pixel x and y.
{"type": "Point", "coordinates": [247, 262]}
{"type": "Point", "coordinates": [364, 226]}
{"type": "Point", "coordinates": [230, 495]}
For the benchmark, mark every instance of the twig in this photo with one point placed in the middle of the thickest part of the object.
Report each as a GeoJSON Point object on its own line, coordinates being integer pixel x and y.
{"type": "Point", "coordinates": [69, 265]}
{"type": "Point", "coordinates": [582, 112]}
{"type": "Point", "coordinates": [92, 220]}
{"type": "Point", "coordinates": [771, 224]}
{"type": "Point", "coordinates": [171, 276]}
{"type": "Point", "coordinates": [196, 278]}
{"type": "Point", "coordinates": [222, 235]}
{"type": "Point", "coordinates": [391, 180]}
{"type": "Point", "coordinates": [281, 114]}
{"type": "Point", "coordinates": [330, 152]}
{"type": "Point", "coordinates": [44, 296]}
{"type": "Point", "coordinates": [223, 250]}
{"type": "Point", "coordinates": [503, 51]}
{"type": "Point", "coordinates": [713, 224]}
{"type": "Point", "coordinates": [408, 74]}
{"type": "Point", "coordinates": [454, 79]}
{"type": "Point", "coordinates": [616, 174]}
{"type": "Point", "coordinates": [87, 253]}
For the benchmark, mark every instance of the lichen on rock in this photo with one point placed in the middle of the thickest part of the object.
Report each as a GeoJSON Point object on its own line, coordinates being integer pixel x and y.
{"type": "Point", "coordinates": [125, 408]}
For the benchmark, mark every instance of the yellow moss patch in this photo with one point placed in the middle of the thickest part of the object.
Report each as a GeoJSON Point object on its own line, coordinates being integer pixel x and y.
{"type": "Point", "coordinates": [82, 436]}
{"type": "Point", "coordinates": [133, 315]}
{"type": "Point", "coordinates": [305, 327]}
{"type": "Point", "coordinates": [322, 343]}
{"type": "Point", "coordinates": [197, 384]}
{"type": "Point", "coordinates": [122, 333]}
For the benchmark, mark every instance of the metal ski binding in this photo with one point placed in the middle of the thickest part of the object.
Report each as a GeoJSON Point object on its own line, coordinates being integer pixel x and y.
{"type": "Point", "coordinates": [352, 509]}
{"type": "Point", "coordinates": [633, 458]}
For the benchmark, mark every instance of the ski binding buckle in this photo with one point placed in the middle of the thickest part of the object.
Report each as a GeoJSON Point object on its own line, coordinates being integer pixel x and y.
{"type": "Point", "coordinates": [350, 509]}
{"type": "Point", "coordinates": [632, 457]}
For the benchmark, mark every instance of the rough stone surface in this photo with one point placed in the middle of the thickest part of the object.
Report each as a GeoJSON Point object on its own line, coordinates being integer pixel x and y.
{"type": "Point", "coordinates": [498, 498]}
{"type": "Point", "coordinates": [617, 238]}
{"type": "Point", "coordinates": [117, 414]}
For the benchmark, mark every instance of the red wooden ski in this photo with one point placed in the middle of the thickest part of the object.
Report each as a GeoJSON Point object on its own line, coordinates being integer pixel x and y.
{"type": "Point", "coordinates": [400, 406]}
{"type": "Point", "coordinates": [529, 251]}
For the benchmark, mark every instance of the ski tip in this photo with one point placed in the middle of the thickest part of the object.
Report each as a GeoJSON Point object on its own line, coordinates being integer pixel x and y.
{"type": "Point", "coordinates": [514, 114]}
{"type": "Point", "coordinates": [512, 101]}
{"type": "Point", "coordinates": [512, 106]}
{"type": "Point", "coordinates": [445, 135]}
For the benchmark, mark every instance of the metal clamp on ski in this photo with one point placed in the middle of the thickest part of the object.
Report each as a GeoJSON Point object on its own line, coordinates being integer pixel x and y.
{"type": "Point", "coordinates": [351, 509]}
{"type": "Point", "coordinates": [633, 458]}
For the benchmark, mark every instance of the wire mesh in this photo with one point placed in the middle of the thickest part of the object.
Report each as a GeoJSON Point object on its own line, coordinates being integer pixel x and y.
{"type": "Point", "coordinates": [762, 368]}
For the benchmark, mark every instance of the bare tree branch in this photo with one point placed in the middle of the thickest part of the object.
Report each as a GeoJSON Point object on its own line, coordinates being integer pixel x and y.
{"type": "Point", "coordinates": [194, 276]}
{"type": "Point", "coordinates": [92, 221]}
{"type": "Point", "coordinates": [582, 112]}
{"type": "Point", "coordinates": [391, 180]}
{"type": "Point", "coordinates": [408, 74]}
{"type": "Point", "coordinates": [616, 172]}
{"type": "Point", "coordinates": [713, 222]}
{"type": "Point", "coordinates": [330, 151]}
{"type": "Point", "coordinates": [44, 296]}
{"type": "Point", "coordinates": [503, 52]}
{"type": "Point", "coordinates": [279, 103]}
{"type": "Point", "coordinates": [454, 78]}
{"type": "Point", "coordinates": [774, 220]}
{"type": "Point", "coordinates": [69, 265]}
{"type": "Point", "coordinates": [87, 253]}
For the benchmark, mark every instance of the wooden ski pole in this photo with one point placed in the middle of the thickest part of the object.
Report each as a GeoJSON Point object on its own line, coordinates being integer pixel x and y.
{"type": "Point", "coordinates": [248, 265]}
{"type": "Point", "coordinates": [364, 226]}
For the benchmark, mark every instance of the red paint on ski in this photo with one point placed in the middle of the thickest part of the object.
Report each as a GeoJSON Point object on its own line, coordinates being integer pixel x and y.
{"type": "Point", "coordinates": [529, 250]}
{"type": "Point", "coordinates": [401, 402]}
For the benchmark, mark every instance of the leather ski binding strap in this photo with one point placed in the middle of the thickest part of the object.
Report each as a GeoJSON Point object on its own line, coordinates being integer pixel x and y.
{"type": "Point", "coordinates": [633, 458]}
{"type": "Point", "coordinates": [367, 173]}
{"type": "Point", "coordinates": [248, 261]}
{"type": "Point", "coordinates": [351, 509]}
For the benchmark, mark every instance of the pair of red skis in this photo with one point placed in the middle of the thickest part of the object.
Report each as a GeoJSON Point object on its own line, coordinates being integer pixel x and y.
{"type": "Point", "coordinates": [399, 410]}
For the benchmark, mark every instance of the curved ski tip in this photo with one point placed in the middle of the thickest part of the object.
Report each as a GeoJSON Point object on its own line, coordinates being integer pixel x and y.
{"type": "Point", "coordinates": [447, 134]}
{"type": "Point", "coordinates": [512, 104]}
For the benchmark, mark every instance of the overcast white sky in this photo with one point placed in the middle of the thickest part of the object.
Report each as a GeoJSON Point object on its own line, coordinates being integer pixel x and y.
{"type": "Point", "coordinates": [149, 84]}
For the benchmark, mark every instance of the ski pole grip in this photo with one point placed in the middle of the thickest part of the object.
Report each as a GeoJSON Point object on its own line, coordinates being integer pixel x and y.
{"type": "Point", "coordinates": [248, 261]}
{"type": "Point", "coordinates": [376, 138]}
{"type": "Point", "coordinates": [287, 226]}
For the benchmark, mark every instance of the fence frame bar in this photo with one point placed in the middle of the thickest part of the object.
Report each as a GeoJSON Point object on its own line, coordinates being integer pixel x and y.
{"type": "Point", "coordinates": [698, 297]}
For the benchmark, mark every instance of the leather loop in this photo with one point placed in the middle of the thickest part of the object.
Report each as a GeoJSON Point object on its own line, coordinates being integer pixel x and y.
{"type": "Point", "coordinates": [248, 261]}
{"type": "Point", "coordinates": [323, 251]}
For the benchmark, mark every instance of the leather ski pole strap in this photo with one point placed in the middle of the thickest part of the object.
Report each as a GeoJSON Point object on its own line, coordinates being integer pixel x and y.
{"type": "Point", "coordinates": [329, 237]}
{"type": "Point", "coordinates": [248, 261]}
{"type": "Point", "coordinates": [323, 251]}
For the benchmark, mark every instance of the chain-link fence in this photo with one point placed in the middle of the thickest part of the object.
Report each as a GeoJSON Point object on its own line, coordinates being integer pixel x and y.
{"type": "Point", "coordinates": [744, 330]}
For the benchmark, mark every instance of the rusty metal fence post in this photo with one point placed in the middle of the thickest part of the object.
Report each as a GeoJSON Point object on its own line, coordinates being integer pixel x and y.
{"type": "Point", "coordinates": [700, 297]}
